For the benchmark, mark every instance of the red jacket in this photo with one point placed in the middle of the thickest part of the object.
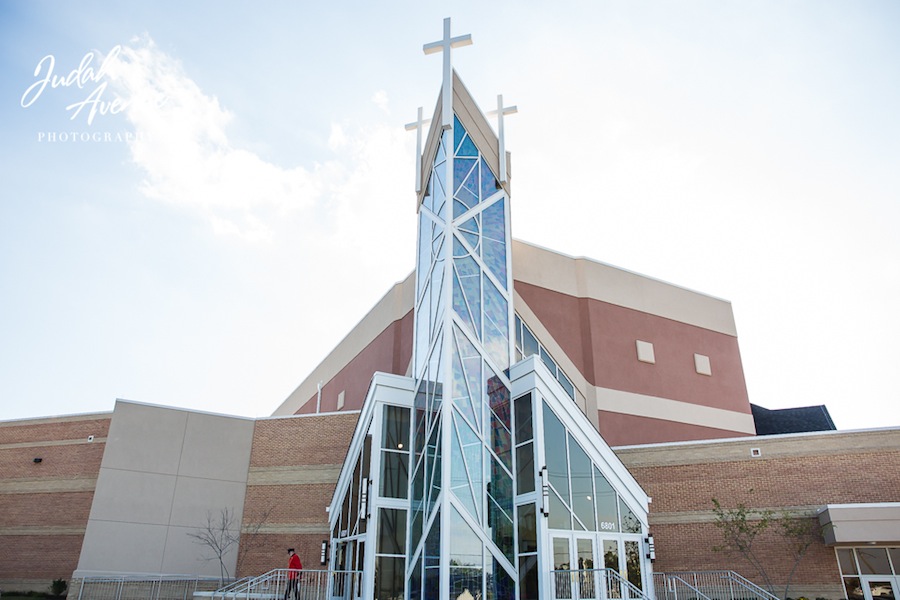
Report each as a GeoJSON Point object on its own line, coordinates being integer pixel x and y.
{"type": "Point", "coordinates": [294, 564]}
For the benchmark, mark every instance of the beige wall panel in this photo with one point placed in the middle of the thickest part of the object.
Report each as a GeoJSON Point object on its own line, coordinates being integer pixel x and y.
{"type": "Point", "coordinates": [145, 438]}
{"type": "Point", "coordinates": [115, 547]}
{"type": "Point", "coordinates": [862, 523]}
{"type": "Point", "coordinates": [216, 447]}
{"type": "Point", "coordinates": [184, 555]}
{"type": "Point", "coordinates": [195, 497]}
{"type": "Point", "coordinates": [586, 278]}
{"type": "Point", "coordinates": [132, 496]}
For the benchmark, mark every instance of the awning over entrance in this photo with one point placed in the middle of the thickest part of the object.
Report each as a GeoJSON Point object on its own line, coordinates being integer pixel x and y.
{"type": "Point", "coordinates": [877, 523]}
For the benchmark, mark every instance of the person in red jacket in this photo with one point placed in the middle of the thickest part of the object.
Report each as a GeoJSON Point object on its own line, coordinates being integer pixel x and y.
{"type": "Point", "coordinates": [293, 578]}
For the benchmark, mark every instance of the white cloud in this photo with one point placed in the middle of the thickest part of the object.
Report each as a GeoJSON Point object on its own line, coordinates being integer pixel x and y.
{"type": "Point", "coordinates": [182, 145]}
{"type": "Point", "coordinates": [381, 101]}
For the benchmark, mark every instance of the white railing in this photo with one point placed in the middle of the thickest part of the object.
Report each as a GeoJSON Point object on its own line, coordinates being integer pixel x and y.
{"type": "Point", "coordinates": [161, 587]}
{"type": "Point", "coordinates": [285, 584]}
{"type": "Point", "coordinates": [593, 584]}
{"type": "Point", "coordinates": [715, 585]}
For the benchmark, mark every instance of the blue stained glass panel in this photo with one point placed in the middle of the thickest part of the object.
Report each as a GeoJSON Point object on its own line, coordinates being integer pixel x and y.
{"type": "Point", "coordinates": [471, 186]}
{"type": "Point", "coordinates": [459, 303]}
{"type": "Point", "coordinates": [458, 132]}
{"type": "Point", "coordinates": [441, 155]}
{"type": "Point", "coordinates": [489, 183]}
{"type": "Point", "coordinates": [494, 247]}
{"type": "Point", "coordinates": [471, 360]}
{"type": "Point", "coordinates": [467, 148]}
{"type": "Point", "coordinates": [462, 167]}
{"type": "Point", "coordinates": [495, 221]}
{"type": "Point", "coordinates": [428, 200]}
{"type": "Point", "coordinates": [470, 281]}
{"type": "Point", "coordinates": [496, 325]}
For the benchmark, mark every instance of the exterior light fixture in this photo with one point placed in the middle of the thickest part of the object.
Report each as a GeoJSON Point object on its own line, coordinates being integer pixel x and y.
{"type": "Point", "coordinates": [39, 459]}
{"type": "Point", "coordinates": [324, 551]}
{"type": "Point", "coordinates": [545, 492]}
{"type": "Point", "coordinates": [651, 548]}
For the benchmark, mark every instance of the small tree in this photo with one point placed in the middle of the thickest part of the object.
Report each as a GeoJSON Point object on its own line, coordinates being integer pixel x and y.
{"type": "Point", "coordinates": [741, 526]}
{"type": "Point", "coordinates": [250, 537]}
{"type": "Point", "coordinates": [219, 535]}
{"type": "Point", "coordinates": [58, 587]}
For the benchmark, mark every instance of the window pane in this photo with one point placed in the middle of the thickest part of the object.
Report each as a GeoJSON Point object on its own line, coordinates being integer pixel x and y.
{"type": "Point", "coordinates": [566, 384]}
{"type": "Point", "coordinates": [873, 561]}
{"type": "Point", "coordinates": [633, 563]}
{"type": "Point", "coordinates": [630, 523]}
{"type": "Point", "coordinates": [846, 561]}
{"type": "Point", "coordinates": [415, 581]}
{"type": "Point", "coordinates": [523, 419]}
{"type": "Point", "coordinates": [560, 517]}
{"type": "Point", "coordinates": [881, 590]}
{"type": "Point", "coordinates": [527, 528]}
{"type": "Point", "coordinates": [611, 555]}
{"type": "Point", "coordinates": [392, 531]}
{"type": "Point", "coordinates": [433, 543]}
{"type": "Point", "coordinates": [854, 589]}
{"type": "Point", "coordinates": [501, 586]}
{"type": "Point", "coordinates": [529, 342]}
{"type": "Point", "coordinates": [607, 503]}
{"type": "Point", "coordinates": [528, 578]}
{"type": "Point", "coordinates": [582, 484]}
{"type": "Point", "coordinates": [555, 452]}
{"type": "Point", "coordinates": [548, 361]}
{"type": "Point", "coordinates": [465, 545]}
{"type": "Point", "coordinates": [895, 558]}
{"type": "Point", "coordinates": [525, 468]}
{"type": "Point", "coordinates": [432, 588]}
{"type": "Point", "coordinates": [389, 577]}
{"type": "Point", "coordinates": [396, 428]}
{"type": "Point", "coordinates": [394, 474]}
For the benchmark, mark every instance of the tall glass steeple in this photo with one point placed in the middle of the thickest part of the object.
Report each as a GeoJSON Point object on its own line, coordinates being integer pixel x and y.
{"type": "Point", "coordinates": [462, 510]}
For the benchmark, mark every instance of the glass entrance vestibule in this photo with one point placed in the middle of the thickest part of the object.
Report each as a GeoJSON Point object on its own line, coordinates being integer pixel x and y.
{"type": "Point", "coordinates": [580, 518]}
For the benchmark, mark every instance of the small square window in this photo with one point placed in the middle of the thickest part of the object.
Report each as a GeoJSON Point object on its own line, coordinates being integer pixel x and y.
{"type": "Point", "coordinates": [701, 364]}
{"type": "Point", "coordinates": [340, 401]}
{"type": "Point", "coordinates": [645, 352]}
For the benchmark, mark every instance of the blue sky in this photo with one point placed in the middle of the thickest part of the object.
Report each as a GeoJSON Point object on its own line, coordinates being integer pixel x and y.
{"type": "Point", "coordinates": [745, 150]}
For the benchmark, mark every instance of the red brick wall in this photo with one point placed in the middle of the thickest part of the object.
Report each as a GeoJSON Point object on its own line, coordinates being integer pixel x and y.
{"type": "Point", "coordinates": [794, 473]}
{"type": "Point", "coordinates": [44, 506]}
{"type": "Point", "coordinates": [295, 512]}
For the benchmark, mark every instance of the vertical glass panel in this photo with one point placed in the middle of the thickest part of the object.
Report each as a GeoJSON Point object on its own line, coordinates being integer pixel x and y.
{"type": "Point", "coordinates": [500, 422]}
{"type": "Point", "coordinates": [459, 133]}
{"type": "Point", "coordinates": [494, 251]}
{"type": "Point", "coordinates": [607, 503]}
{"type": "Point", "coordinates": [439, 189]}
{"type": "Point", "coordinates": [394, 474]}
{"type": "Point", "coordinates": [584, 549]}
{"type": "Point", "coordinates": [561, 562]}
{"type": "Point", "coordinates": [424, 260]}
{"type": "Point", "coordinates": [611, 555]}
{"type": "Point", "coordinates": [396, 428]}
{"type": "Point", "coordinates": [501, 586]}
{"type": "Point", "coordinates": [565, 383]}
{"type": "Point", "coordinates": [460, 307]}
{"type": "Point", "coordinates": [560, 517]}
{"type": "Point", "coordinates": [433, 543]}
{"type": "Point", "coordinates": [528, 578]}
{"type": "Point", "coordinates": [895, 559]}
{"type": "Point", "coordinates": [354, 498]}
{"type": "Point", "coordinates": [415, 581]}
{"type": "Point", "coordinates": [630, 522]}
{"type": "Point", "coordinates": [854, 588]}
{"type": "Point", "coordinates": [555, 453]}
{"type": "Point", "coordinates": [846, 561]}
{"type": "Point", "coordinates": [471, 361]}
{"type": "Point", "coordinates": [470, 287]}
{"type": "Point", "coordinates": [545, 357]}
{"type": "Point", "coordinates": [496, 325]}
{"type": "Point", "coordinates": [433, 466]}
{"type": "Point", "coordinates": [500, 509]}
{"type": "Point", "coordinates": [462, 398]}
{"type": "Point", "coordinates": [432, 588]}
{"type": "Point", "coordinates": [525, 468]}
{"type": "Point", "coordinates": [464, 170]}
{"type": "Point", "coordinates": [530, 344]}
{"type": "Point", "coordinates": [465, 558]}
{"type": "Point", "coordinates": [582, 484]}
{"type": "Point", "coordinates": [518, 332]}
{"type": "Point", "coordinates": [873, 561]}
{"type": "Point", "coordinates": [422, 330]}
{"type": "Point", "coordinates": [527, 528]}
{"type": "Point", "coordinates": [466, 469]}
{"type": "Point", "coordinates": [523, 419]}
{"type": "Point", "coordinates": [391, 531]}
{"type": "Point", "coordinates": [389, 572]}
{"type": "Point", "coordinates": [633, 564]}
{"type": "Point", "coordinates": [489, 184]}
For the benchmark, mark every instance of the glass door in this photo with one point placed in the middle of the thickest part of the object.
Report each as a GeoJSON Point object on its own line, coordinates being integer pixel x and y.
{"type": "Point", "coordinates": [574, 568]}
{"type": "Point", "coordinates": [879, 587]}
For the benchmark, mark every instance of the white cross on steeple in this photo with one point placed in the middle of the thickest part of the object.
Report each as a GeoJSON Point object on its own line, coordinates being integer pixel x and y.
{"type": "Point", "coordinates": [444, 46]}
{"type": "Point", "coordinates": [418, 125]}
{"type": "Point", "coordinates": [500, 112]}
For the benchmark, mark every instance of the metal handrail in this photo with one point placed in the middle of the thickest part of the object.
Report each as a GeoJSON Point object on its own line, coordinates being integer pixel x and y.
{"type": "Point", "coordinates": [719, 584]}
{"type": "Point", "coordinates": [585, 581]}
